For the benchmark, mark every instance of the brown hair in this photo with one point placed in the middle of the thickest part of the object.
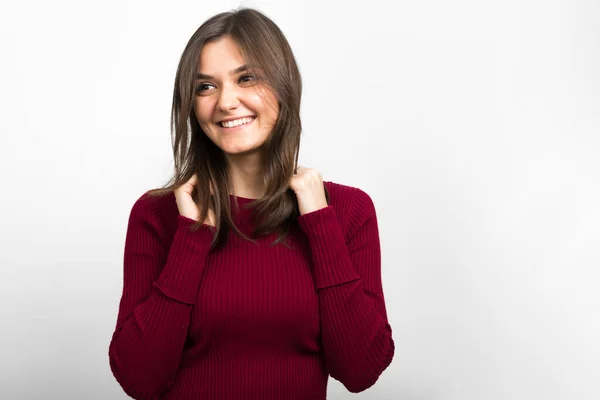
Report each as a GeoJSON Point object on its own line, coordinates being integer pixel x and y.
{"type": "Point", "coordinates": [263, 45]}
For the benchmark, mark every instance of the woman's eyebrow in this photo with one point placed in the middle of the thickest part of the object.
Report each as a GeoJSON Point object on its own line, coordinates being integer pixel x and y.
{"type": "Point", "coordinates": [239, 69]}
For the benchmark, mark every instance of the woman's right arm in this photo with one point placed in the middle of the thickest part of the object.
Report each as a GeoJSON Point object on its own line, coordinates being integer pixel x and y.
{"type": "Point", "coordinates": [160, 288]}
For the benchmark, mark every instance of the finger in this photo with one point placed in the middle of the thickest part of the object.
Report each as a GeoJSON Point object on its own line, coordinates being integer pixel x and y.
{"type": "Point", "coordinates": [191, 183]}
{"type": "Point", "coordinates": [211, 217]}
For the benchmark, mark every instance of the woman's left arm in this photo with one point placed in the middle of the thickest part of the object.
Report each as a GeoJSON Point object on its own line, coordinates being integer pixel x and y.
{"type": "Point", "coordinates": [356, 335]}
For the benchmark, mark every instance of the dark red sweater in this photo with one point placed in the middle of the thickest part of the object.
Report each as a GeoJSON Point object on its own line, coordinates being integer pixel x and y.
{"type": "Point", "coordinates": [251, 321]}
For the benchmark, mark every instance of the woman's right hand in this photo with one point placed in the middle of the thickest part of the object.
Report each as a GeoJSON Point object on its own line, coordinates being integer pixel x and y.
{"type": "Point", "coordinates": [186, 205]}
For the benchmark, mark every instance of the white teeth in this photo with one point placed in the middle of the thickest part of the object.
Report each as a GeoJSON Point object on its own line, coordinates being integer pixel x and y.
{"type": "Point", "coordinates": [236, 122]}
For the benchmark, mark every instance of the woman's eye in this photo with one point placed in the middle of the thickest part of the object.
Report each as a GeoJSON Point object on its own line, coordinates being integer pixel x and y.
{"type": "Point", "coordinates": [202, 87]}
{"type": "Point", "coordinates": [244, 78]}
{"type": "Point", "coordinates": [250, 76]}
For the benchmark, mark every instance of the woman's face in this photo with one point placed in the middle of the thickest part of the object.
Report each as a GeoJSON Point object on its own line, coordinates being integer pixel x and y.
{"type": "Point", "coordinates": [227, 91]}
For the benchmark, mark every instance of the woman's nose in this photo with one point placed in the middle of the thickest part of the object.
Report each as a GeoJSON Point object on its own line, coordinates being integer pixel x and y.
{"type": "Point", "coordinates": [228, 98]}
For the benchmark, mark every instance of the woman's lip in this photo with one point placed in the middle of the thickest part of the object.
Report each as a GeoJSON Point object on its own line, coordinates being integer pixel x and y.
{"type": "Point", "coordinates": [242, 126]}
{"type": "Point", "coordinates": [233, 119]}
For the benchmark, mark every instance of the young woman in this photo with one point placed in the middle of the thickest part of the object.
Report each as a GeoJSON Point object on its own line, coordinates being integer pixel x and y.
{"type": "Point", "coordinates": [246, 277]}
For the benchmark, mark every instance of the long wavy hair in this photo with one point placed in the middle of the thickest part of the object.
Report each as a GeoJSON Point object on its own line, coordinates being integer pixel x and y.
{"type": "Point", "coordinates": [262, 44]}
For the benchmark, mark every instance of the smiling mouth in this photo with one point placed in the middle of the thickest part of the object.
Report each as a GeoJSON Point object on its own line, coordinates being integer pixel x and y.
{"type": "Point", "coordinates": [246, 120]}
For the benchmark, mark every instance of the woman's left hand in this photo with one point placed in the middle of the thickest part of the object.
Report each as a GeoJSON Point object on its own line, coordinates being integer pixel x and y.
{"type": "Point", "coordinates": [307, 183]}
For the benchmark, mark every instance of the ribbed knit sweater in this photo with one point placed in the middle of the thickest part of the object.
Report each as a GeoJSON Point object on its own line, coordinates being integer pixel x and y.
{"type": "Point", "coordinates": [251, 322]}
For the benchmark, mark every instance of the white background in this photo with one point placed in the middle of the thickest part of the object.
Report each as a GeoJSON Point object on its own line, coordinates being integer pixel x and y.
{"type": "Point", "coordinates": [473, 125]}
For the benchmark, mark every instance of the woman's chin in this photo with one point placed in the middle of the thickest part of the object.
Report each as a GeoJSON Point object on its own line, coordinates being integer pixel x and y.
{"type": "Point", "coordinates": [239, 150]}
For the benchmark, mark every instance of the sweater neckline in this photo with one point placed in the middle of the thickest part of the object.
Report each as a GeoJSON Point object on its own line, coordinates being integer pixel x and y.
{"type": "Point", "coordinates": [240, 198]}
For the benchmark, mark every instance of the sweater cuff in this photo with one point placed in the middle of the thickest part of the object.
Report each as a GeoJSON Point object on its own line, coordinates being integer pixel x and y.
{"type": "Point", "coordinates": [332, 264]}
{"type": "Point", "coordinates": [180, 278]}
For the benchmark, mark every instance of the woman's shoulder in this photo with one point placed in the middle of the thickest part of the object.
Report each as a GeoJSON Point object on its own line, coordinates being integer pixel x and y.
{"type": "Point", "coordinates": [151, 200]}
{"type": "Point", "coordinates": [352, 205]}
{"type": "Point", "coordinates": [159, 207]}
{"type": "Point", "coordinates": [345, 194]}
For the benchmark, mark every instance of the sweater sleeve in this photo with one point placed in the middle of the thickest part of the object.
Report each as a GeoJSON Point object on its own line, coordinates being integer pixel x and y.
{"type": "Point", "coordinates": [357, 338]}
{"type": "Point", "coordinates": [160, 285]}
